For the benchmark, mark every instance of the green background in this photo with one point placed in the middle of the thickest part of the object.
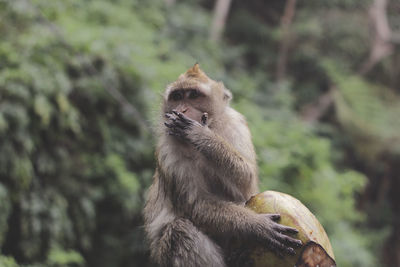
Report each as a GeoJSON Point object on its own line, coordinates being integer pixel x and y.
{"type": "Point", "coordinates": [80, 92]}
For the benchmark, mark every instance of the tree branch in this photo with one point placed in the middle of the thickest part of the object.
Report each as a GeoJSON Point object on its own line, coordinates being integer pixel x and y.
{"type": "Point", "coordinates": [169, 3]}
{"type": "Point", "coordinates": [221, 10]}
{"type": "Point", "coordinates": [382, 45]}
{"type": "Point", "coordinates": [314, 111]}
{"type": "Point", "coordinates": [382, 37]}
{"type": "Point", "coordinates": [286, 22]}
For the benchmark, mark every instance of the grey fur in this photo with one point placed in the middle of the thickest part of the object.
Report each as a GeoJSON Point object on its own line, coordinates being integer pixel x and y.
{"type": "Point", "coordinates": [204, 174]}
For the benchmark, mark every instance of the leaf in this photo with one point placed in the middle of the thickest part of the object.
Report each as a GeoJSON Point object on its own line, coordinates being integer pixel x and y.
{"type": "Point", "coordinates": [43, 109]}
{"type": "Point", "coordinates": [61, 257]}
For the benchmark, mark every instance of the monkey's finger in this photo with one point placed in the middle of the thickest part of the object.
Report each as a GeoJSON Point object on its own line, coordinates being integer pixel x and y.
{"type": "Point", "coordinates": [177, 113]}
{"type": "Point", "coordinates": [182, 116]}
{"type": "Point", "coordinates": [169, 125]}
{"type": "Point", "coordinates": [181, 125]}
{"type": "Point", "coordinates": [278, 248]}
{"type": "Point", "coordinates": [286, 229]}
{"type": "Point", "coordinates": [170, 116]}
{"type": "Point", "coordinates": [175, 124]}
{"type": "Point", "coordinates": [273, 216]}
{"type": "Point", "coordinates": [287, 240]}
{"type": "Point", "coordinates": [171, 121]}
{"type": "Point", "coordinates": [290, 251]}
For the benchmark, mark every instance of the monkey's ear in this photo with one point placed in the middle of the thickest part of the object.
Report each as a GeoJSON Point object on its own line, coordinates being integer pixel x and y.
{"type": "Point", "coordinates": [227, 95]}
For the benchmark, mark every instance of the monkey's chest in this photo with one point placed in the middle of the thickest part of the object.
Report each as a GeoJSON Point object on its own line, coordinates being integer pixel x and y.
{"type": "Point", "coordinates": [191, 169]}
{"type": "Point", "coordinates": [221, 186]}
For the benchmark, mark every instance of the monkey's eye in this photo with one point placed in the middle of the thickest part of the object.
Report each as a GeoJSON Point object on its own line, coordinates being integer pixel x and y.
{"type": "Point", "coordinates": [193, 94]}
{"type": "Point", "coordinates": [176, 95]}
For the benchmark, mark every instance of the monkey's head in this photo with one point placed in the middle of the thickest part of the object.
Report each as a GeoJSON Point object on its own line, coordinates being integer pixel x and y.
{"type": "Point", "coordinates": [195, 94]}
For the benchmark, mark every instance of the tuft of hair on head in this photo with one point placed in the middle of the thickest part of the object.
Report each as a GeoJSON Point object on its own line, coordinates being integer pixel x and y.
{"type": "Point", "coordinates": [196, 72]}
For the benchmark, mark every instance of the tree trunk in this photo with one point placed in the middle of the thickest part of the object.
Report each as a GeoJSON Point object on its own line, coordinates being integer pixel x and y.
{"type": "Point", "coordinates": [170, 2]}
{"type": "Point", "coordinates": [220, 14]}
{"type": "Point", "coordinates": [286, 22]}
{"type": "Point", "coordinates": [381, 33]}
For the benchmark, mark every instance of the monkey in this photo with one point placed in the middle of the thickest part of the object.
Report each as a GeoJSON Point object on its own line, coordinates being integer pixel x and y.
{"type": "Point", "coordinates": [205, 171]}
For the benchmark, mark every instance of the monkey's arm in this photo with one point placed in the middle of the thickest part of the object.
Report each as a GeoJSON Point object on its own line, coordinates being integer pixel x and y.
{"type": "Point", "coordinates": [228, 160]}
{"type": "Point", "coordinates": [223, 218]}
{"type": "Point", "coordinates": [221, 153]}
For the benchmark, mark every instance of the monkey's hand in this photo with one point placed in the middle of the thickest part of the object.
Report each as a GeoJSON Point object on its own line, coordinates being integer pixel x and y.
{"type": "Point", "coordinates": [275, 235]}
{"type": "Point", "coordinates": [182, 126]}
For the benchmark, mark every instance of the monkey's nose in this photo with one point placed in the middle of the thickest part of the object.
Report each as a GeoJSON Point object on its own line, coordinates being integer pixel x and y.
{"type": "Point", "coordinates": [181, 109]}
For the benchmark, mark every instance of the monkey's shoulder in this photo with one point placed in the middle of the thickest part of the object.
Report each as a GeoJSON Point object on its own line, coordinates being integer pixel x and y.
{"type": "Point", "coordinates": [235, 116]}
{"type": "Point", "coordinates": [235, 128]}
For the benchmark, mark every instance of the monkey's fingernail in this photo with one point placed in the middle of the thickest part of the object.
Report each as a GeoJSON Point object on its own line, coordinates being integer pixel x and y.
{"type": "Point", "coordinates": [180, 115]}
{"type": "Point", "coordinates": [275, 217]}
{"type": "Point", "coordinates": [291, 251]}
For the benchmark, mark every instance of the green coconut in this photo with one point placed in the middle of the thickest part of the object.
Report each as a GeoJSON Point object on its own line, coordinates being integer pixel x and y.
{"type": "Point", "coordinates": [316, 249]}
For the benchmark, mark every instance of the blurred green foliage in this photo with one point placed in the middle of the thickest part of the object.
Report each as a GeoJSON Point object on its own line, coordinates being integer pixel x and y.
{"type": "Point", "coordinates": [75, 159]}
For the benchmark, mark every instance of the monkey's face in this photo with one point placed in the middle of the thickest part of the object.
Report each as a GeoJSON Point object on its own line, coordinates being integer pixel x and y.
{"type": "Point", "coordinates": [195, 94]}
{"type": "Point", "coordinates": [192, 102]}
